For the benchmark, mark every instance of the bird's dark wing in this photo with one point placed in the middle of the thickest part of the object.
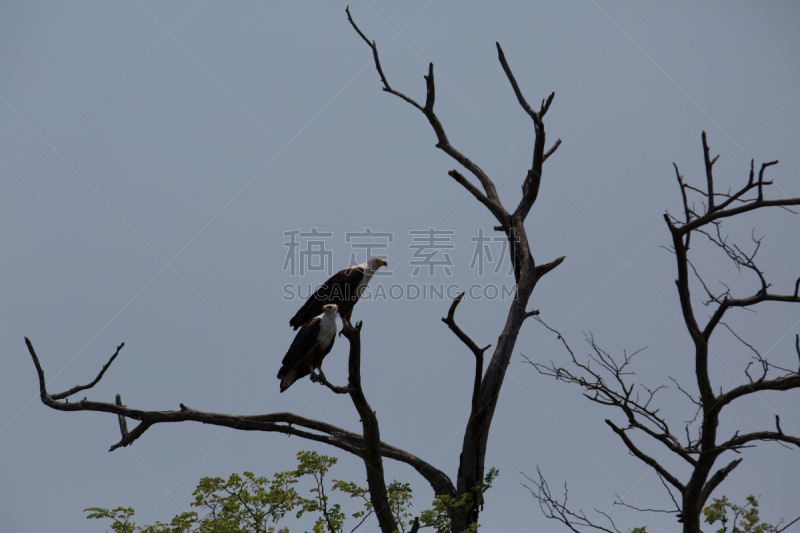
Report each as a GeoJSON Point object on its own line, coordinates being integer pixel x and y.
{"type": "Point", "coordinates": [349, 291]}
{"type": "Point", "coordinates": [352, 277]}
{"type": "Point", "coordinates": [303, 342]}
{"type": "Point", "coordinates": [327, 293]}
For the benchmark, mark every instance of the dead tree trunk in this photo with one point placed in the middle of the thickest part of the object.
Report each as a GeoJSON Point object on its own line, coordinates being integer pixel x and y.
{"type": "Point", "coordinates": [487, 386]}
{"type": "Point", "coordinates": [605, 380]}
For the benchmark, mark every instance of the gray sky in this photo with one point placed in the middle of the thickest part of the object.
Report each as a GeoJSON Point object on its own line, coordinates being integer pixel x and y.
{"type": "Point", "coordinates": [153, 154]}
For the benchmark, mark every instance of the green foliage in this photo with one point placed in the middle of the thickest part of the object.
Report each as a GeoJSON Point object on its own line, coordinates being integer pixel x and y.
{"type": "Point", "coordinates": [122, 521]}
{"type": "Point", "coordinates": [745, 517]}
{"type": "Point", "coordinates": [400, 503]}
{"type": "Point", "coordinates": [331, 517]}
{"type": "Point", "coordinates": [438, 517]}
{"type": "Point", "coordinates": [249, 504]}
{"type": "Point", "coordinates": [642, 529]}
{"type": "Point", "coordinates": [121, 517]}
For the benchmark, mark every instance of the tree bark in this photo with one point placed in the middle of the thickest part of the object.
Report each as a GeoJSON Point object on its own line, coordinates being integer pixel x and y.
{"type": "Point", "coordinates": [373, 460]}
{"type": "Point", "coordinates": [471, 469]}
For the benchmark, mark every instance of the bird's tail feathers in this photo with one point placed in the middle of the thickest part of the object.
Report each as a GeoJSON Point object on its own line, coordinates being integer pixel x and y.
{"type": "Point", "coordinates": [287, 379]}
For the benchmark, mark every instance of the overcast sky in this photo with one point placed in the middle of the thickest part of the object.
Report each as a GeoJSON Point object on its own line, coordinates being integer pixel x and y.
{"type": "Point", "coordinates": [154, 155]}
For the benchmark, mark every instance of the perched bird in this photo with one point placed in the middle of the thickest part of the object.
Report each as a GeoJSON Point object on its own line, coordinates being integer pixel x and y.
{"type": "Point", "coordinates": [343, 289]}
{"type": "Point", "coordinates": [309, 347]}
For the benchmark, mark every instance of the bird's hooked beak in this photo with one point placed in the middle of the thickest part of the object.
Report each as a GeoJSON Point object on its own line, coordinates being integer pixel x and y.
{"type": "Point", "coordinates": [382, 263]}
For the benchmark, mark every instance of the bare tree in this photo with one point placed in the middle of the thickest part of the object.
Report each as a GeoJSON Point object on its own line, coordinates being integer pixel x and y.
{"type": "Point", "coordinates": [606, 380]}
{"type": "Point", "coordinates": [468, 489]}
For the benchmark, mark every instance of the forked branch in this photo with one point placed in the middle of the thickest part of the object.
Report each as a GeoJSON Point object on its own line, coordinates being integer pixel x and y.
{"type": "Point", "coordinates": [73, 390]}
{"type": "Point", "coordinates": [451, 323]}
{"type": "Point", "coordinates": [489, 195]}
{"type": "Point", "coordinates": [478, 352]}
{"type": "Point", "coordinates": [723, 210]}
{"type": "Point", "coordinates": [285, 423]}
{"type": "Point", "coordinates": [558, 509]}
{"type": "Point", "coordinates": [530, 187]}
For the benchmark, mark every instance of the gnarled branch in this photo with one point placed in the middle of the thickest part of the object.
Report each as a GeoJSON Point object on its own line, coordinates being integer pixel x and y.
{"type": "Point", "coordinates": [489, 197]}
{"type": "Point", "coordinates": [285, 423]}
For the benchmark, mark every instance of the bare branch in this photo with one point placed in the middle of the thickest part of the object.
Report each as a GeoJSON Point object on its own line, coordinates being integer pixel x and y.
{"type": "Point", "coordinates": [529, 314]}
{"type": "Point", "coordinates": [669, 491]}
{"type": "Point", "coordinates": [286, 423]}
{"type": "Point", "coordinates": [723, 195]}
{"type": "Point", "coordinates": [642, 509]}
{"type": "Point", "coordinates": [530, 188]}
{"type": "Point", "coordinates": [123, 423]}
{"type": "Point", "coordinates": [472, 189]}
{"type": "Point", "coordinates": [622, 395]}
{"type": "Point", "coordinates": [778, 384]}
{"type": "Point", "coordinates": [558, 334]}
{"type": "Point", "coordinates": [717, 478]}
{"type": "Point", "coordinates": [646, 458]}
{"type": "Point", "coordinates": [764, 363]}
{"type": "Point", "coordinates": [73, 390]}
{"type": "Point", "coordinates": [714, 212]}
{"type": "Point", "coordinates": [784, 528]}
{"type": "Point", "coordinates": [711, 296]}
{"type": "Point", "coordinates": [681, 389]}
{"type": "Point", "coordinates": [541, 270]}
{"type": "Point", "coordinates": [522, 102]}
{"type": "Point", "coordinates": [556, 509]}
{"type": "Point", "coordinates": [128, 438]}
{"type": "Point", "coordinates": [491, 199]}
{"type": "Point", "coordinates": [551, 151]}
{"type": "Point", "coordinates": [709, 174]}
{"type": "Point", "coordinates": [738, 441]}
{"type": "Point", "coordinates": [386, 86]}
{"type": "Point", "coordinates": [451, 323]}
{"type": "Point", "coordinates": [750, 346]}
{"type": "Point", "coordinates": [728, 303]}
{"type": "Point", "coordinates": [478, 352]}
{"type": "Point", "coordinates": [761, 182]}
{"type": "Point", "coordinates": [322, 380]}
{"type": "Point", "coordinates": [725, 213]}
{"type": "Point", "coordinates": [688, 212]}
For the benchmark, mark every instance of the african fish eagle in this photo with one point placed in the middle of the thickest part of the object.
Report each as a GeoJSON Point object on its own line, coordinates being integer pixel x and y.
{"type": "Point", "coordinates": [343, 288]}
{"type": "Point", "coordinates": [309, 347]}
